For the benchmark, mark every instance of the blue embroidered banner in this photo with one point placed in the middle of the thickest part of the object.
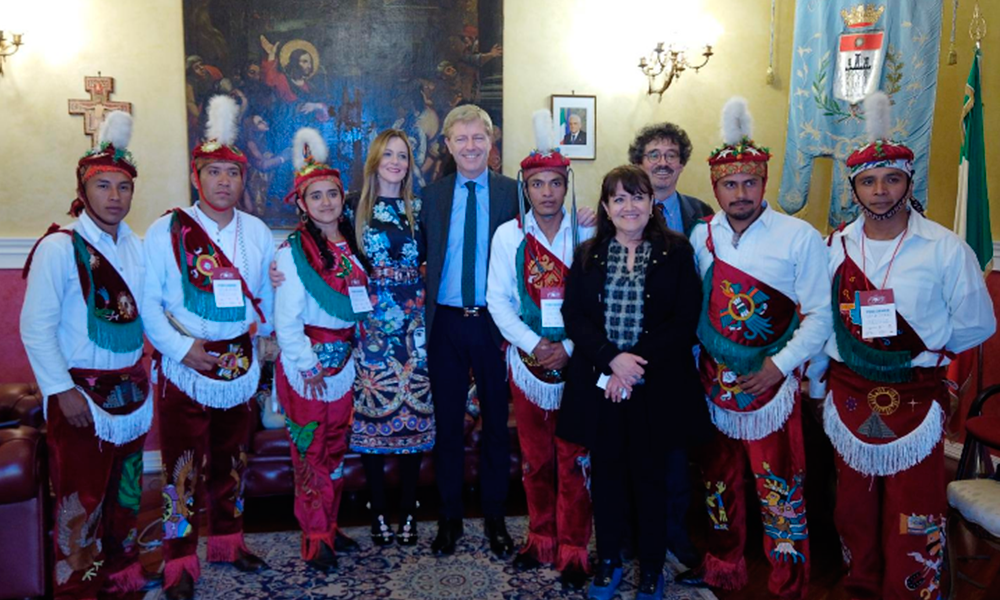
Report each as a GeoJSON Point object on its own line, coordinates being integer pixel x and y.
{"type": "Point", "coordinates": [843, 51]}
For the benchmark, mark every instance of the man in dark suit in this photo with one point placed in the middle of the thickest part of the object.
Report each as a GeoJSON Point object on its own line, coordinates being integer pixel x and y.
{"type": "Point", "coordinates": [662, 150]}
{"type": "Point", "coordinates": [576, 135]}
{"type": "Point", "coordinates": [460, 213]}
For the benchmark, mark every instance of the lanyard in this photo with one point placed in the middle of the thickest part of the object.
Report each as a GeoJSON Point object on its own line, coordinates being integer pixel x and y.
{"type": "Point", "coordinates": [891, 260]}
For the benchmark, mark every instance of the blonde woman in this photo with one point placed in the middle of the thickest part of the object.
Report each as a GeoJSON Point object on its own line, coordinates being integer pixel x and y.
{"type": "Point", "coordinates": [393, 413]}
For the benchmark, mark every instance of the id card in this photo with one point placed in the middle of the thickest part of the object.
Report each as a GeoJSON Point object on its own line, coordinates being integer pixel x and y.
{"type": "Point", "coordinates": [552, 301]}
{"type": "Point", "coordinates": [878, 314]}
{"type": "Point", "coordinates": [227, 288]}
{"type": "Point", "coordinates": [357, 291]}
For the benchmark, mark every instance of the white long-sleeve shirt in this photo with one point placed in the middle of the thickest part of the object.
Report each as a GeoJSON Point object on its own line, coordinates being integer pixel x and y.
{"type": "Point", "coordinates": [54, 314]}
{"type": "Point", "coordinates": [936, 282]}
{"type": "Point", "coordinates": [294, 308]}
{"type": "Point", "coordinates": [502, 298]}
{"type": "Point", "coordinates": [789, 255]}
{"type": "Point", "coordinates": [254, 250]}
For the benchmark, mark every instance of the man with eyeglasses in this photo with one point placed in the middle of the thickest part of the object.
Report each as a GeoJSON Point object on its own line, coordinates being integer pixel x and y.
{"type": "Point", "coordinates": [662, 150]}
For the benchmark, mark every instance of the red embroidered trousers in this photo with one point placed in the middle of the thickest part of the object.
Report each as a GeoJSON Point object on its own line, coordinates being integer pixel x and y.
{"type": "Point", "coordinates": [778, 463]}
{"type": "Point", "coordinates": [204, 462]}
{"type": "Point", "coordinates": [892, 530]}
{"type": "Point", "coordinates": [97, 486]}
{"type": "Point", "coordinates": [318, 433]}
{"type": "Point", "coordinates": [555, 474]}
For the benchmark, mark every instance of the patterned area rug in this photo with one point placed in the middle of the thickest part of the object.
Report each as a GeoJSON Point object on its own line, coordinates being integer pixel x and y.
{"type": "Point", "coordinates": [397, 573]}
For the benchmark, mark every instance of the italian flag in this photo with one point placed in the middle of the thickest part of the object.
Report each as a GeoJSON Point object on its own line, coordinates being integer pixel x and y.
{"type": "Point", "coordinates": [972, 210]}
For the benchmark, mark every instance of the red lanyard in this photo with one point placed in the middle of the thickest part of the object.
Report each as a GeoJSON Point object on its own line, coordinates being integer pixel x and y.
{"type": "Point", "coordinates": [891, 260]}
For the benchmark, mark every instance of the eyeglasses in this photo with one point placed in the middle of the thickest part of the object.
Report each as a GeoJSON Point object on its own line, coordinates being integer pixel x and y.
{"type": "Point", "coordinates": [670, 156]}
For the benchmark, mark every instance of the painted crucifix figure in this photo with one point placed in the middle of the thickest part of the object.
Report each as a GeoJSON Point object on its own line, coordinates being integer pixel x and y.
{"type": "Point", "coordinates": [93, 110]}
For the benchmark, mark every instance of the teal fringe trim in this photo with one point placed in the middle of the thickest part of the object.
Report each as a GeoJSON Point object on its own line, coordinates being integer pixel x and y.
{"type": "Point", "coordinates": [200, 302]}
{"type": "Point", "coordinates": [116, 337]}
{"type": "Point", "coordinates": [331, 301]}
{"type": "Point", "coordinates": [531, 314]}
{"type": "Point", "coordinates": [883, 366]}
{"type": "Point", "coordinates": [737, 357]}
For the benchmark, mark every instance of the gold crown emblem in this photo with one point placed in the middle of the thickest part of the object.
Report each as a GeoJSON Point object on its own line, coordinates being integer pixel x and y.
{"type": "Point", "coordinates": [862, 15]}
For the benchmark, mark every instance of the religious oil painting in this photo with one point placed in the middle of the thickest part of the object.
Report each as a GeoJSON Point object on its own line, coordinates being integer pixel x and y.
{"type": "Point", "coordinates": [349, 69]}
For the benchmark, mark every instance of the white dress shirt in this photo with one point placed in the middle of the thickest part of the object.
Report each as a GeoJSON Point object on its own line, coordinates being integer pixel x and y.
{"type": "Point", "coordinates": [788, 254]}
{"type": "Point", "coordinates": [502, 297]}
{"type": "Point", "coordinates": [936, 282]}
{"type": "Point", "coordinates": [54, 314]}
{"type": "Point", "coordinates": [254, 250]}
{"type": "Point", "coordinates": [294, 308]}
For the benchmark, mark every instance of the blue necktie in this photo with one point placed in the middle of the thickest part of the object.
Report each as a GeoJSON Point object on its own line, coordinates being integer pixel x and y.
{"type": "Point", "coordinates": [469, 248]}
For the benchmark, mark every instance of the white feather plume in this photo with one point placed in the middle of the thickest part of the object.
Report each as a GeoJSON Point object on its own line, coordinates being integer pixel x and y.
{"type": "Point", "coordinates": [878, 114]}
{"type": "Point", "coordinates": [223, 117]}
{"type": "Point", "coordinates": [116, 129]}
{"type": "Point", "coordinates": [307, 136]}
{"type": "Point", "coordinates": [544, 132]}
{"type": "Point", "coordinates": [736, 121]}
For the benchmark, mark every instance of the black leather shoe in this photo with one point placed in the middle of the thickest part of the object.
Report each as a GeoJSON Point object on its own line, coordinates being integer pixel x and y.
{"type": "Point", "coordinates": [692, 578]}
{"type": "Point", "coordinates": [573, 578]}
{"type": "Point", "coordinates": [325, 561]}
{"type": "Point", "coordinates": [407, 533]}
{"type": "Point", "coordinates": [496, 532]}
{"type": "Point", "coordinates": [526, 562]}
{"type": "Point", "coordinates": [249, 563]}
{"type": "Point", "coordinates": [343, 544]}
{"type": "Point", "coordinates": [182, 590]}
{"type": "Point", "coordinates": [381, 532]}
{"type": "Point", "coordinates": [449, 532]}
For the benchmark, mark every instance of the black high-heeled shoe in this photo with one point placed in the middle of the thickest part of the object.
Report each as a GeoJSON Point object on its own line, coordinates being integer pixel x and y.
{"type": "Point", "coordinates": [407, 533]}
{"type": "Point", "coordinates": [382, 534]}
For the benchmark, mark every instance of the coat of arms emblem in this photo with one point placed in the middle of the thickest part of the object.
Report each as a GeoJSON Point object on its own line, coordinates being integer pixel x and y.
{"type": "Point", "coordinates": [860, 55]}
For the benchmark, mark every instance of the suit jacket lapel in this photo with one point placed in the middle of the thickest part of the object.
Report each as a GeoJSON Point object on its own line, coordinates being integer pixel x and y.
{"type": "Point", "coordinates": [495, 204]}
{"type": "Point", "coordinates": [687, 212]}
{"type": "Point", "coordinates": [444, 214]}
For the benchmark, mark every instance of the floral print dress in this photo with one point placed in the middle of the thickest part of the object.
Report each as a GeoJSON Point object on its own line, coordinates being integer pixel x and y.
{"type": "Point", "coordinates": [393, 413]}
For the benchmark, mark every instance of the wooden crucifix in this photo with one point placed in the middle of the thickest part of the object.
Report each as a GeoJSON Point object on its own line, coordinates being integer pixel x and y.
{"type": "Point", "coordinates": [93, 110]}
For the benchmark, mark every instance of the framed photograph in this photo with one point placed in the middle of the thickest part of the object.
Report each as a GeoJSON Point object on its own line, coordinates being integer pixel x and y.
{"type": "Point", "coordinates": [576, 117]}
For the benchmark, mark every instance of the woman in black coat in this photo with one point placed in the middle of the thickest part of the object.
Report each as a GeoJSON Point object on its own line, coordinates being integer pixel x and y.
{"type": "Point", "coordinates": [632, 302]}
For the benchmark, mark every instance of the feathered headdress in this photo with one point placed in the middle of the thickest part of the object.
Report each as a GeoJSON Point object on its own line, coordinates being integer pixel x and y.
{"type": "Point", "coordinates": [110, 154]}
{"type": "Point", "coordinates": [879, 150]}
{"type": "Point", "coordinates": [545, 157]}
{"type": "Point", "coordinates": [309, 156]}
{"type": "Point", "coordinates": [221, 131]}
{"type": "Point", "coordinates": [739, 153]}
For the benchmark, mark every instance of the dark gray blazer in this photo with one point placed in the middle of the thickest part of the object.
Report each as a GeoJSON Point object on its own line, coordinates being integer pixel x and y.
{"type": "Point", "coordinates": [692, 211]}
{"type": "Point", "coordinates": [435, 221]}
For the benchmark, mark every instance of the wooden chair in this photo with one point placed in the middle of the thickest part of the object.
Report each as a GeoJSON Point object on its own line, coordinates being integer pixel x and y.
{"type": "Point", "coordinates": [974, 496]}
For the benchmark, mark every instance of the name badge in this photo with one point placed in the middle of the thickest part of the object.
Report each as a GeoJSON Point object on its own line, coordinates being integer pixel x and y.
{"type": "Point", "coordinates": [878, 314]}
{"type": "Point", "coordinates": [227, 288]}
{"type": "Point", "coordinates": [357, 291]}
{"type": "Point", "coordinates": [552, 301]}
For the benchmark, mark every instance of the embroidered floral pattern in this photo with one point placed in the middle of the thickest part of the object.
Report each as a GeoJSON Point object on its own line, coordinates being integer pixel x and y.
{"type": "Point", "coordinates": [392, 400]}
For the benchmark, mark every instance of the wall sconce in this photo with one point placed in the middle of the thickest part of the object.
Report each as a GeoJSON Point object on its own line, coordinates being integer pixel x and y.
{"type": "Point", "coordinates": [8, 48]}
{"type": "Point", "coordinates": [667, 65]}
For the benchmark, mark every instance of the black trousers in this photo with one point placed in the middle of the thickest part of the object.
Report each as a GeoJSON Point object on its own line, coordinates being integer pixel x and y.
{"type": "Point", "coordinates": [678, 500]}
{"type": "Point", "coordinates": [457, 344]}
{"type": "Point", "coordinates": [624, 455]}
